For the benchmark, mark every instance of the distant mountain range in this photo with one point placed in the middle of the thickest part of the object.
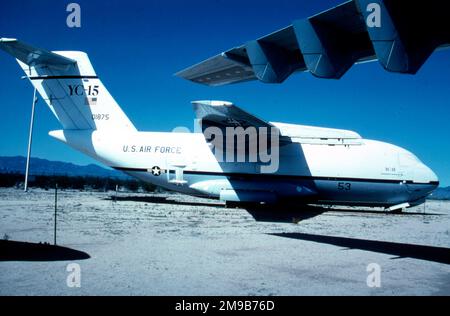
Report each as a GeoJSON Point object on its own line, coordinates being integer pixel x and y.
{"type": "Point", "coordinates": [50, 168]}
{"type": "Point", "coordinates": [441, 194]}
{"type": "Point", "coordinates": [56, 168]}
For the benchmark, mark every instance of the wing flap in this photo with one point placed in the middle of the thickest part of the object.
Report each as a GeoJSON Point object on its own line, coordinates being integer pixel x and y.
{"type": "Point", "coordinates": [219, 70]}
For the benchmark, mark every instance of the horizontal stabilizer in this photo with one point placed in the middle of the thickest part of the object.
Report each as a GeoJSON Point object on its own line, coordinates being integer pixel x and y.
{"type": "Point", "coordinates": [67, 82]}
{"type": "Point", "coordinates": [32, 56]}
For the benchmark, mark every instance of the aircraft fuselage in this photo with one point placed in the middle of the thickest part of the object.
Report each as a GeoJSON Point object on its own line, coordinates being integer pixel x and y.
{"type": "Point", "coordinates": [371, 173]}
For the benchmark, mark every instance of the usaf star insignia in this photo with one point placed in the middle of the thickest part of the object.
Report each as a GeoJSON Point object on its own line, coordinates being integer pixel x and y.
{"type": "Point", "coordinates": [156, 171]}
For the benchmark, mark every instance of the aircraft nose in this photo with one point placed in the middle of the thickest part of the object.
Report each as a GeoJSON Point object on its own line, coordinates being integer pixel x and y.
{"type": "Point", "coordinates": [432, 177]}
{"type": "Point", "coordinates": [425, 182]}
{"type": "Point", "coordinates": [424, 174]}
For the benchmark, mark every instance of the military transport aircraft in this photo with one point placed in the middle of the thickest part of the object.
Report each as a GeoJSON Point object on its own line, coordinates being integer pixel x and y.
{"type": "Point", "coordinates": [296, 163]}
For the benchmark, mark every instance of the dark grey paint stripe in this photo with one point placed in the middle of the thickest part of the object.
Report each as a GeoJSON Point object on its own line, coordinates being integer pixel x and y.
{"type": "Point", "coordinates": [62, 77]}
{"type": "Point", "coordinates": [275, 176]}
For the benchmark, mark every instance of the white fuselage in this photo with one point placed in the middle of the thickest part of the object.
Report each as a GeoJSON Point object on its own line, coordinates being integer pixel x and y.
{"type": "Point", "coordinates": [370, 173]}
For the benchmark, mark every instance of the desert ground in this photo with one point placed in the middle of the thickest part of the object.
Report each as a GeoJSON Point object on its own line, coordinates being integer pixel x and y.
{"type": "Point", "coordinates": [169, 244]}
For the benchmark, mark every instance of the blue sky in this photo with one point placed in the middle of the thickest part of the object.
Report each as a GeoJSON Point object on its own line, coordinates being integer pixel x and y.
{"type": "Point", "coordinates": [137, 46]}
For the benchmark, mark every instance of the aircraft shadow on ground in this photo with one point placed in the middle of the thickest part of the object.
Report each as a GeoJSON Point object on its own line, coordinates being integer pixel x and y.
{"type": "Point", "coordinates": [23, 251]}
{"type": "Point", "coordinates": [161, 200]}
{"type": "Point", "coordinates": [282, 213]}
{"type": "Point", "coordinates": [400, 250]}
{"type": "Point", "coordinates": [296, 214]}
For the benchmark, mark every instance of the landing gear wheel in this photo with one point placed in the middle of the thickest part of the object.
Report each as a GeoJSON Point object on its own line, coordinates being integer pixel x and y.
{"type": "Point", "coordinates": [399, 211]}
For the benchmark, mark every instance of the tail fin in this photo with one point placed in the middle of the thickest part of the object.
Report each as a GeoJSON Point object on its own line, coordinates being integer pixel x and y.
{"type": "Point", "coordinates": [70, 87]}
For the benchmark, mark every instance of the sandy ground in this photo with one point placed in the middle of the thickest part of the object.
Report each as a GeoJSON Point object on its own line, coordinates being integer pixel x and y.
{"type": "Point", "coordinates": [197, 247]}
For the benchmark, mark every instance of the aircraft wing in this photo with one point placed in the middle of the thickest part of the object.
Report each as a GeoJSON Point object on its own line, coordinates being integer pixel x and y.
{"type": "Point", "coordinates": [33, 56]}
{"type": "Point", "coordinates": [220, 70]}
{"type": "Point", "coordinates": [401, 37]}
{"type": "Point", "coordinates": [225, 114]}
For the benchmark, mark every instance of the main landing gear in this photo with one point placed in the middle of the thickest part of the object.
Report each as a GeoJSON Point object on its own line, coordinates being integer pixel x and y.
{"type": "Point", "coordinates": [397, 209]}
